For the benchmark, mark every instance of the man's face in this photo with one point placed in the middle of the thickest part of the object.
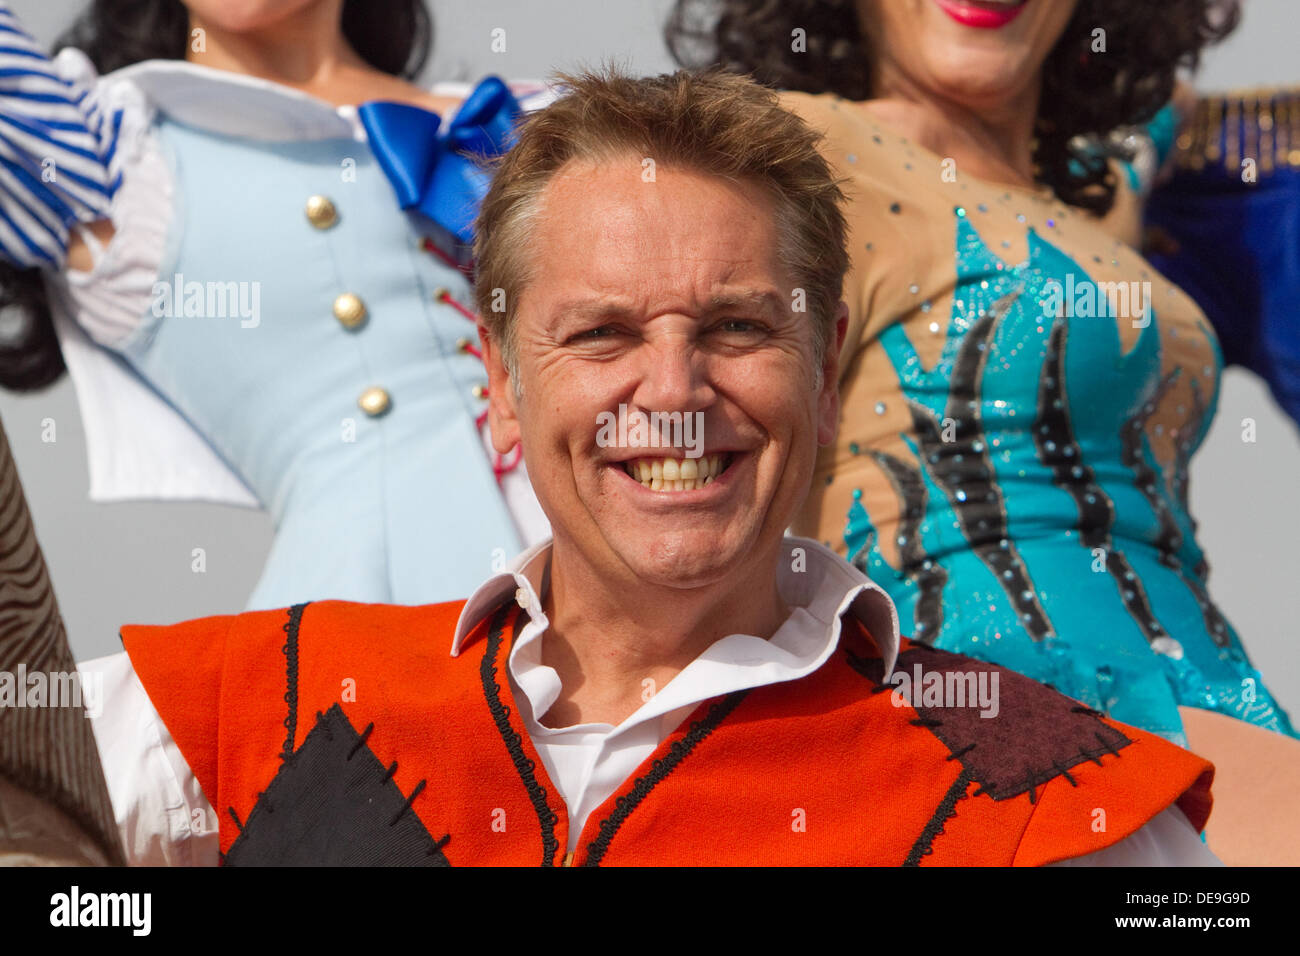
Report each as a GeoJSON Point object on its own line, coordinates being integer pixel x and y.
{"type": "Point", "coordinates": [663, 296]}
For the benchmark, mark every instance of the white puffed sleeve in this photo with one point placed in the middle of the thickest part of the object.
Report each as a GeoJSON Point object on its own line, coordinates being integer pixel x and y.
{"type": "Point", "coordinates": [110, 299]}
{"type": "Point", "coordinates": [76, 148]}
{"type": "Point", "coordinates": [162, 814]}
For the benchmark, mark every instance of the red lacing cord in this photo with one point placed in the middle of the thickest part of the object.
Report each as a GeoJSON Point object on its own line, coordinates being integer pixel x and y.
{"type": "Point", "coordinates": [500, 464]}
{"type": "Point", "coordinates": [443, 295]}
{"type": "Point", "coordinates": [466, 269]}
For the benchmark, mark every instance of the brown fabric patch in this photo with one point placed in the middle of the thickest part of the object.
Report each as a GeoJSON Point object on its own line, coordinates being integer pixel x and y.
{"type": "Point", "coordinates": [1037, 734]}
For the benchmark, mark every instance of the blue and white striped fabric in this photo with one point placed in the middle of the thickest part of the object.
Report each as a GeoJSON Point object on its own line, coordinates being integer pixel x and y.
{"type": "Point", "coordinates": [58, 153]}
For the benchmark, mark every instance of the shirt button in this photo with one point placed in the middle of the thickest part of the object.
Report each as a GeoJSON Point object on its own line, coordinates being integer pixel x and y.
{"type": "Point", "coordinates": [374, 401]}
{"type": "Point", "coordinates": [479, 391]}
{"type": "Point", "coordinates": [350, 310]}
{"type": "Point", "coordinates": [321, 212]}
{"type": "Point", "coordinates": [521, 598]}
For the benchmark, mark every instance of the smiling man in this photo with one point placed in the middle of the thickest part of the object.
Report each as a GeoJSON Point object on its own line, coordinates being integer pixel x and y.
{"type": "Point", "coordinates": [671, 679]}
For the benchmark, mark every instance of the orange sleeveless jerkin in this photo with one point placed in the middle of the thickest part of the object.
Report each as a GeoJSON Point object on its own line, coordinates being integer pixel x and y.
{"type": "Point", "coordinates": [337, 732]}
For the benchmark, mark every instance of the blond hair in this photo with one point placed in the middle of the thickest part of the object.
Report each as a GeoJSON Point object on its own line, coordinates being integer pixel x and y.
{"type": "Point", "coordinates": [710, 122]}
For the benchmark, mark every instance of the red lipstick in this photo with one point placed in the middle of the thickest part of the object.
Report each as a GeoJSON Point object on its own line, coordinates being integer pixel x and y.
{"type": "Point", "coordinates": [982, 16]}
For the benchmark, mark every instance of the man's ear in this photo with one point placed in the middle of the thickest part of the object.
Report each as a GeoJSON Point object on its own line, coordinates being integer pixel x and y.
{"type": "Point", "coordinates": [503, 415]}
{"type": "Point", "coordinates": [841, 329]}
{"type": "Point", "coordinates": [828, 402]}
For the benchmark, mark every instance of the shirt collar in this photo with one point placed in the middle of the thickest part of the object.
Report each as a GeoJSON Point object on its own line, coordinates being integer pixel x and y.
{"type": "Point", "coordinates": [811, 577]}
{"type": "Point", "coordinates": [495, 590]}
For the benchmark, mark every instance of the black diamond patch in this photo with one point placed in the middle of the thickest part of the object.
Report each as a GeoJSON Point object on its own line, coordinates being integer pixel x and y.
{"type": "Point", "coordinates": [333, 803]}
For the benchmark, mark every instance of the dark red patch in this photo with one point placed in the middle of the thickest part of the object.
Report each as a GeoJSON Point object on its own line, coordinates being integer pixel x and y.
{"type": "Point", "coordinates": [1037, 735]}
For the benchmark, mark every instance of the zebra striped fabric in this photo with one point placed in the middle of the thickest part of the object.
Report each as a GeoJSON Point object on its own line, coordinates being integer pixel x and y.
{"type": "Point", "coordinates": [47, 752]}
{"type": "Point", "coordinates": [58, 153]}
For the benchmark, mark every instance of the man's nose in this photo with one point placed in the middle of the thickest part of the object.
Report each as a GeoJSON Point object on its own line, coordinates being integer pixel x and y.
{"type": "Point", "coordinates": [673, 374]}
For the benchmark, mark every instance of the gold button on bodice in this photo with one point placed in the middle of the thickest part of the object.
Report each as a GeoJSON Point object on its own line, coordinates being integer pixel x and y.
{"type": "Point", "coordinates": [374, 402]}
{"type": "Point", "coordinates": [321, 212]}
{"type": "Point", "coordinates": [350, 310]}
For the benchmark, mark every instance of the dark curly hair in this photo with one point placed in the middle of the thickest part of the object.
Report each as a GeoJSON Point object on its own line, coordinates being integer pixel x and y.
{"type": "Point", "coordinates": [1083, 95]}
{"type": "Point", "coordinates": [394, 36]}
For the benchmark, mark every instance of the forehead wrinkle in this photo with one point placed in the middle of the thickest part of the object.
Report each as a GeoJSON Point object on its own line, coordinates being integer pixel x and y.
{"type": "Point", "coordinates": [766, 301]}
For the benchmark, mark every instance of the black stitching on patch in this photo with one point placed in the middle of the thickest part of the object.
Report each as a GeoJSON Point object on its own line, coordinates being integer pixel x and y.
{"type": "Point", "coordinates": [332, 804]}
{"type": "Point", "coordinates": [1062, 743]}
{"type": "Point", "coordinates": [361, 741]}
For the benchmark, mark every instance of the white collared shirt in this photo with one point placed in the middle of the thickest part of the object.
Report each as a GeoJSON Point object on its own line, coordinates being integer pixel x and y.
{"type": "Point", "coordinates": [164, 817]}
{"type": "Point", "coordinates": [588, 762]}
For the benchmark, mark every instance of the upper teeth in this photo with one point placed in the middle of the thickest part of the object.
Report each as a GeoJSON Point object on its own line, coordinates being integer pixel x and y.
{"type": "Point", "coordinates": [676, 474]}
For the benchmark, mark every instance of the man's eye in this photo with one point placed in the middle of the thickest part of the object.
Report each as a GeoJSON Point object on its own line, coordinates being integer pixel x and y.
{"type": "Point", "coordinates": [600, 332]}
{"type": "Point", "coordinates": [736, 326]}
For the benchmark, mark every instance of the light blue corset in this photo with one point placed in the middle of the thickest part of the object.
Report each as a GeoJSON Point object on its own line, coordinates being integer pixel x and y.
{"type": "Point", "coordinates": [396, 504]}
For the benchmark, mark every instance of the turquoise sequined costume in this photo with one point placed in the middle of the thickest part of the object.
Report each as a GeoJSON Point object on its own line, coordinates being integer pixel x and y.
{"type": "Point", "coordinates": [1021, 395]}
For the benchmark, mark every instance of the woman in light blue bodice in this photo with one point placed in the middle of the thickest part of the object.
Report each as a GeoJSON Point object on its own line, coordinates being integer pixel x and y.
{"type": "Point", "coordinates": [286, 272]}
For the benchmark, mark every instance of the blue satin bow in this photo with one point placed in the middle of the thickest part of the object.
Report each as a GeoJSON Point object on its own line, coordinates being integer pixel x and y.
{"type": "Point", "coordinates": [437, 171]}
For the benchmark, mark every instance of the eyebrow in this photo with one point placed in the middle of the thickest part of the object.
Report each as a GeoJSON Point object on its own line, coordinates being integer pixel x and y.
{"type": "Point", "coordinates": [768, 303]}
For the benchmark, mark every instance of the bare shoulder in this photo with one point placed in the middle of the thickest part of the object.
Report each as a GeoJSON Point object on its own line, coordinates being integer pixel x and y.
{"type": "Point", "coordinates": [816, 109]}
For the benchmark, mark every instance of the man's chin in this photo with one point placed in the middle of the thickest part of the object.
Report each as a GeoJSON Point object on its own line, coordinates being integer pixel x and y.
{"type": "Point", "coordinates": [682, 561]}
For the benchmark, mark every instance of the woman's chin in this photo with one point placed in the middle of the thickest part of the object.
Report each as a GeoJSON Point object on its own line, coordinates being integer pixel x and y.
{"type": "Point", "coordinates": [981, 81]}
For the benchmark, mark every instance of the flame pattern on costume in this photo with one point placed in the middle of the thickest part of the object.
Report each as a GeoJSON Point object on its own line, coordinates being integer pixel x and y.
{"type": "Point", "coordinates": [1017, 449]}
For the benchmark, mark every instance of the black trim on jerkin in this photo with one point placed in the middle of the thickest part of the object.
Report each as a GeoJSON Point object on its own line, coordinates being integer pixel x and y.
{"type": "Point", "coordinates": [514, 743]}
{"type": "Point", "coordinates": [946, 810]}
{"type": "Point", "coordinates": [291, 676]}
{"type": "Point", "coordinates": [661, 768]}
{"type": "Point", "coordinates": [527, 768]}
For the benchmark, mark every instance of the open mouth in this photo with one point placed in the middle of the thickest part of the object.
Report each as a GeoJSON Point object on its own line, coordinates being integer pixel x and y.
{"type": "Point", "coordinates": [678, 474]}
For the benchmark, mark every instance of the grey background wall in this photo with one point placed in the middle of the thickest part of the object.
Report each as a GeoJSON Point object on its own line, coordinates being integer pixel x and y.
{"type": "Point", "coordinates": [131, 561]}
